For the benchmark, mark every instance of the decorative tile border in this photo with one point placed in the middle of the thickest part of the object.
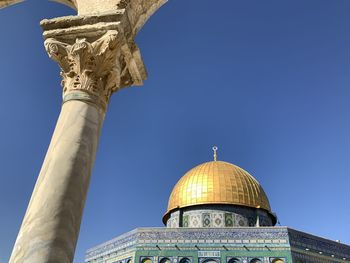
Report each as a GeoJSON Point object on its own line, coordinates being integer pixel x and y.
{"type": "Point", "coordinates": [235, 239]}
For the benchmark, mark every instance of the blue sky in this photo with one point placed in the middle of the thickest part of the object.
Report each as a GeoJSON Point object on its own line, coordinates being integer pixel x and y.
{"type": "Point", "coordinates": [266, 81]}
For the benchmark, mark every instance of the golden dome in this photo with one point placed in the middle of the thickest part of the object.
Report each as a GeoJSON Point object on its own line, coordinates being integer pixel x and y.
{"type": "Point", "coordinates": [217, 182]}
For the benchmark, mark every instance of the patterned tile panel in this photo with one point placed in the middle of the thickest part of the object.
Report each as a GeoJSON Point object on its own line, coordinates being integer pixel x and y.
{"type": "Point", "coordinates": [206, 220]}
{"type": "Point", "coordinates": [197, 235]}
{"type": "Point", "coordinates": [214, 216]}
{"type": "Point", "coordinates": [278, 237]}
{"type": "Point", "coordinates": [195, 220]}
{"type": "Point", "coordinates": [218, 220]}
{"type": "Point", "coordinates": [185, 222]}
{"type": "Point", "coordinates": [229, 220]}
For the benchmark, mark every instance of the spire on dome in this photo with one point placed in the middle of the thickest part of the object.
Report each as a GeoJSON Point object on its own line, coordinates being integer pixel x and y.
{"type": "Point", "coordinates": [215, 149]}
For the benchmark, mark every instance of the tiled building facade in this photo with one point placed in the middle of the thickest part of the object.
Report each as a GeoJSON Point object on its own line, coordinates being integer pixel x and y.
{"type": "Point", "coordinates": [220, 245]}
{"type": "Point", "coordinates": [218, 213]}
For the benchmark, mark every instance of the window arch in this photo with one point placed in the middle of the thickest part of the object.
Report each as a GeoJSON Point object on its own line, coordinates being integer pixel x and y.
{"type": "Point", "coordinates": [255, 260]}
{"type": "Point", "coordinates": [146, 260]}
{"type": "Point", "coordinates": [185, 260]}
{"type": "Point", "coordinates": [278, 260]}
{"type": "Point", "coordinates": [210, 260]}
{"type": "Point", "coordinates": [164, 260]}
{"type": "Point", "coordinates": [233, 260]}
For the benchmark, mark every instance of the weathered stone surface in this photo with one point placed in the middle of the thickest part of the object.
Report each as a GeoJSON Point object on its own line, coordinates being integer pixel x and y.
{"type": "Point", "coordinates": [138, 11]}
{"type": "Point", "coordinates": [70, 3]}
{"type": "Point", "coordinates": [91, 68]}
{"type": "Point", "coordinates": [51, 225]}
{"type": "Point", "coordinates": [97, 56]}
{"type": "Point", "coordinates": [4, 3]}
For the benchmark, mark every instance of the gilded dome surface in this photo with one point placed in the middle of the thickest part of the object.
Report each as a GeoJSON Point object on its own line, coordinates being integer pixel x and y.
{"type": "Point", "coordinates": [218, 182]}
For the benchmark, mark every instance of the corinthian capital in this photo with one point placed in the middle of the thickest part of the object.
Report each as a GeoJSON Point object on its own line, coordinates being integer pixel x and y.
{"type": "Point", "coordinates": [89, 70]}
{"type": "Point", "coordinates": [97, 55]}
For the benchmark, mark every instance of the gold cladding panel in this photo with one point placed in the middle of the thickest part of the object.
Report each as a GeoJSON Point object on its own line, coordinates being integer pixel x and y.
{"type": "Point", "coordinates": [218, 183]}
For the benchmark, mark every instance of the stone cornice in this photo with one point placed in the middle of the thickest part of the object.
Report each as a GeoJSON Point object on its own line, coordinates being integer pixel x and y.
{"type": "Point", "coordinates": [138, 11]}
{"type": "Point", "coordinates": [73, 26]}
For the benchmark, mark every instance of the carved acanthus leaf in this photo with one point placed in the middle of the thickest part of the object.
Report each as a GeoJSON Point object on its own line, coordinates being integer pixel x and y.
{"type": "Point", "coordinates": [90, 67]}
{"type": "Point", "coordinates": [58, 52]}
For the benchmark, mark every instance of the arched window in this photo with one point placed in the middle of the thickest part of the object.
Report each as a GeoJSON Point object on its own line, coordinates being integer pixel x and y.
{"type": "Point", "coordinates": [233, 260]}
{"type": "Point", "coordinates": [278, 260]}
{"type": "Point", "coordinates": [255, 260]}
{"type": "Point", "coordinates": [164, 260]}
{"type": "Point", "coordinates": [185, 260]}
{"type": "Point", "coordinates": [129, 260]}
{"type": "Point", "coordinates": [146, 260]}
{"type": "Point", "coordinates": [210, 260]}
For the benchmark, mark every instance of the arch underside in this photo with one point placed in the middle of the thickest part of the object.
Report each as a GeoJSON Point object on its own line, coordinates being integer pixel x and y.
{"type": "Point", "coordinates": [70, 3]}
{"type": "Point", "coordinates": [139, 11]}
{"type": "Point", "coordinates": [5, 3]}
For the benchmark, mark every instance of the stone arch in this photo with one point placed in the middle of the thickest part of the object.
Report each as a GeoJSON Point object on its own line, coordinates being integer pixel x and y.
{"type": "Point", "coordinates": [185, 260]}
{"type": "Point", "coordinates": [146, 260]}
{"type": "Point", "coordinates": [255, 260]}
{"type": "Point", "coordinates": [233, 260]}
{"type": "Point", "coordinates": [211, 260]}
{"type": "Point", "coordinates": [140, 10]}
{"type": "Point", "coordinates": [70, 3]}
{"type": "Point", "coordinates": [4, 4]}
{"type": "Point", "coordinates": [165, 260]}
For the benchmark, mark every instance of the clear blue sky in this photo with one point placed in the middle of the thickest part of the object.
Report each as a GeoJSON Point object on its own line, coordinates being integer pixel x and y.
{"type": "Point", "coordinates": [267, 81]}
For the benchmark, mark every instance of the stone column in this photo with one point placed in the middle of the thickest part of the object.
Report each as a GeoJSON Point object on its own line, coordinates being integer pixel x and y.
{"type": "Point", "coordinates": [96, 59]}
{"type": "Point", "coordinates": [97, 56]}
{"type": "Point", "coordinates": [51, 225]}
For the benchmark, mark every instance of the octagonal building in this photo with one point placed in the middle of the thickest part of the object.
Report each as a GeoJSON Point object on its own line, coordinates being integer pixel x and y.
{"type": "Point", "coordinates": [218, 213]}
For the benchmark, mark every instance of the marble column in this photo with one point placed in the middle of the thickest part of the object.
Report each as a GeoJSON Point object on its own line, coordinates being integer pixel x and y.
{"type": "Point", "coordinates": [51, 225]}
{"type": "Point", "coordinates": [97, 56]}
{"type": "Point", "coordinates": [95, 62]}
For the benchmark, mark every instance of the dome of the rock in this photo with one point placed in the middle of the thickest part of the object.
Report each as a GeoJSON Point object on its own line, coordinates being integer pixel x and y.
{"type": "Point", "coordinates": [217, 183]}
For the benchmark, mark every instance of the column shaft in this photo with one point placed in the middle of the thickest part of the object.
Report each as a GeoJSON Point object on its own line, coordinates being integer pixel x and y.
{"type": "Point", "coordinates": [97, 57]}
{"type": "Point", "coordinates": [51, 225]}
